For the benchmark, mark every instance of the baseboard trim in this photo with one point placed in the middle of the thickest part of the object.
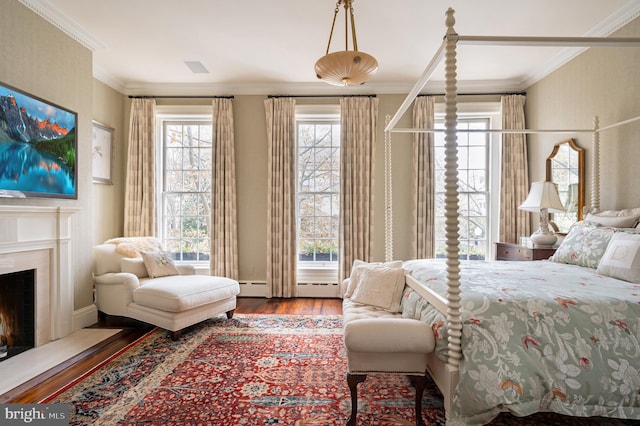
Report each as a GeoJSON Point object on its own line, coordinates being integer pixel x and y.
{"type": "Point", "coordinates": [84, 317]}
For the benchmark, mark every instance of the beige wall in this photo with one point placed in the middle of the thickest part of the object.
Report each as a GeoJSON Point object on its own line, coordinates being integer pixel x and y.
{"type": "Point", "coordinates": [108, 199]}
{"type": "Point", "coordinates": [603, 82]}
{"type": "Point", "coordinates": [39, 59]}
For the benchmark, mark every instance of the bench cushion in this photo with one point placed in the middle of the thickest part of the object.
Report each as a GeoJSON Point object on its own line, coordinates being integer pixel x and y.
{"type": "Point", "coordinates": [352, 311]}
{"type": "Point", "coordinates": [179, 293]}
{"type": "Point", "coordinates": [388, 335]}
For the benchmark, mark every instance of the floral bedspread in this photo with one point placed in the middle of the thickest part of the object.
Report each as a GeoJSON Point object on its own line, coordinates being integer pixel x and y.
{"type": "Point", "coordinates": [538, 336]}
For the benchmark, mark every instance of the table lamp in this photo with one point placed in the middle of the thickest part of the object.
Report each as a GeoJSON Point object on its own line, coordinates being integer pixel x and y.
{"type": "Point", "coordinates": [543, 198]}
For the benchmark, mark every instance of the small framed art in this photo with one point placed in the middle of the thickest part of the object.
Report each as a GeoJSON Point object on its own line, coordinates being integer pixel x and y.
{"type": "Point", "coordinates": [102, 153]}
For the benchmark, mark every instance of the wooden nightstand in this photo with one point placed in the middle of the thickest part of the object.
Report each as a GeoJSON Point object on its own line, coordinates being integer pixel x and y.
{"type": "Point", "coordinates": [506, 251]}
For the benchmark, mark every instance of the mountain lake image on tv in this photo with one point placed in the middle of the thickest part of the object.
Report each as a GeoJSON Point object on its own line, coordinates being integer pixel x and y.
{"type": "Point", "coordinates": [38, 147]}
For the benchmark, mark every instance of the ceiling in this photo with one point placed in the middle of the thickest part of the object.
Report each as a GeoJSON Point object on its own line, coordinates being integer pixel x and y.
{"type": "Point", "coordinates": [270, 47]}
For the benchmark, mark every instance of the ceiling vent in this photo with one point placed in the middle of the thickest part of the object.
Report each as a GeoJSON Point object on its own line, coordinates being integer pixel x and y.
{"type": "Point", "coordinates": [196, 67]}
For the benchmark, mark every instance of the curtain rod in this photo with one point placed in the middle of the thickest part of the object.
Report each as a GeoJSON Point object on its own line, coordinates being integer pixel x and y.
{"type": "Point", "coordinates": [180, 97]}
{"type": "Point", "coordinates": [477, 94]}
{"type": "Point", "coordinates": [322, 96]}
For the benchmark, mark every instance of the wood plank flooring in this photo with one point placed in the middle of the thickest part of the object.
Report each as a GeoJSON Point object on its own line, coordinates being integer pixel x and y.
{"type": "Point", "coordinates": [47, 383]}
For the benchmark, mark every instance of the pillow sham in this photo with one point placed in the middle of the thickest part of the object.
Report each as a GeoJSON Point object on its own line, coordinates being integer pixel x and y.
{"type": "Point", "coordinates": [134, 265]}
{"type": "Point", "coordinates": [584, 245]}
{"type": "Point", "coordinates": [379, 286]}
{"type": "Point", "coordinates": [159, 263]}
{"type": "Point", "coordinates": [351, 285]}
{"type": "Point", "coordinates": [609, 219]}
{"type": "Point", "coordinates": [622, 258]}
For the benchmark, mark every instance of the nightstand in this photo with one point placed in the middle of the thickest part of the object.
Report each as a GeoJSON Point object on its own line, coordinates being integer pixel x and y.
{"type": "Point", "coordinates": [506, 251]}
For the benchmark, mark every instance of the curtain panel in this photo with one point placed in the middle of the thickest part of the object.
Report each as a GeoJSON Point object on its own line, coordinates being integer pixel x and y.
{"type": "Point", "coordinates": [224, 226]}
{"type": "Point", "coordinates": [514, 178]}
{"type": "Point", "coordinates": [358, 120]}
{"type": "Point", "coordinates": [423, 179]}
{"type": "Point", "coordinates": [139, 201]}
{"type": "Point", "coordinates": [281, 181]}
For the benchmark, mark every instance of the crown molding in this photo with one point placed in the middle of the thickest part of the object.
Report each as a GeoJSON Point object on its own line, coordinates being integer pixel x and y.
{"type": "Point", "coordinates": [615, 21]}
{"type": "Point", "coordinates": [63, 23]}
{"type": "Point", "coordinates": [100, 74]}
{"type": "Point", "coordinates": [323, 89]}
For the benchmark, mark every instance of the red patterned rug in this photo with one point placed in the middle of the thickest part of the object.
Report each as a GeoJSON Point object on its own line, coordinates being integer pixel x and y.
{"type": "Point", "coordinates": [250, 370]}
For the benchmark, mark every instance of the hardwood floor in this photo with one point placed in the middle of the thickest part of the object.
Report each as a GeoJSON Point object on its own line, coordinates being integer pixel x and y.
{"type": "Point", "coordinates": [44, 385]}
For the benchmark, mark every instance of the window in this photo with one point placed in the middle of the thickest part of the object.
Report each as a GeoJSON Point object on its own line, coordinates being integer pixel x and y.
{"type": "Point", "coordinates": [186, 188]}
{"type": "Point", "coordinates": [473, 187]}
{"type": "Point", "coordinates": [318, 189]}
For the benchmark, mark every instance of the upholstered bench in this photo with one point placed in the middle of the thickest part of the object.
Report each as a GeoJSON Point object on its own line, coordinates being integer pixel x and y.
{"type": "Point", "coordinates": [125, 287]}
{"type": "Point", "coordinates": [379, 340]}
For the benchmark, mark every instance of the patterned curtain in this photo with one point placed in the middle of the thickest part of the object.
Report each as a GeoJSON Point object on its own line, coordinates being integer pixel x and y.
{"type": "Point", "coordinates": [423, 179]}
{"type": "Point", "coordinates": [224, 234]}
{"type": "Point", "coordinates": [139, 201]}
{"type": "Point", "coordinates": [514, 179]}
{"type": "Point", "coordinates": [281, 219]}
{"type": "Point", "coordinates": [358, 136]}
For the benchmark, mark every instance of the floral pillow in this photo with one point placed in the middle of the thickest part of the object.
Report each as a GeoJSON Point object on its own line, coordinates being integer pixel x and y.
{"type": "Point", "coordinates": [584, 245]}
{"type": "Point", "coordinates": [159, 263]}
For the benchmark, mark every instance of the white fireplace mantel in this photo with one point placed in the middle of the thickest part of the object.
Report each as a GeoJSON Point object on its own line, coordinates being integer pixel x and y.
{"type": "Point", "coordinates": [40, 238]}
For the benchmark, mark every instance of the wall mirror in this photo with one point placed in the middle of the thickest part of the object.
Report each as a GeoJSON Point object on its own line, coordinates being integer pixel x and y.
{"type": "Point", "coordinates": [565, 168]}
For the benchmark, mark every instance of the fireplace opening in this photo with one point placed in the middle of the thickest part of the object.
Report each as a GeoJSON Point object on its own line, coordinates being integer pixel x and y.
{"type": "Point", "coordinates": [17, 312]}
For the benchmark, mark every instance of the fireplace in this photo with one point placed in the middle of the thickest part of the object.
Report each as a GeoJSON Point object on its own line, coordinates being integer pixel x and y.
{"type": "Point", "coordinates": [38, 239]}
{"type": "Point", "coordinates": [17, 312]}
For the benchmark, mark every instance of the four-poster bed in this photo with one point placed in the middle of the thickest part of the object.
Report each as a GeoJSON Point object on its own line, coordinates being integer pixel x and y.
{"type": "Point", "coordinates": [474, 393]}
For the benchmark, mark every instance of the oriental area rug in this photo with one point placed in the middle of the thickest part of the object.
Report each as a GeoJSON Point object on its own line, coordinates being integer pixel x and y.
{"type": "Point", "coordinates": [250, 370]}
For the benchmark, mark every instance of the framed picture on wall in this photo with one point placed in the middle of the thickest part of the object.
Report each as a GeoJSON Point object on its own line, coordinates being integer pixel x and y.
{"type": "Point", "coordinates": [102, 153]}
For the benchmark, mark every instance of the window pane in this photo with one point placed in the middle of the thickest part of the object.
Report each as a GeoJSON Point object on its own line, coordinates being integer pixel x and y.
{"type": "Point", "coordinates": [318, 197]}
{"type": "Point", "coordinates": [472, 184]}
{"type": "Point", "coordinates": [187, 189]}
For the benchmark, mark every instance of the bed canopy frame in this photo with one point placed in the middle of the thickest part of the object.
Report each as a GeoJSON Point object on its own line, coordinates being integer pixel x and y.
{"type": "Point", "coordinates": [446, 374]}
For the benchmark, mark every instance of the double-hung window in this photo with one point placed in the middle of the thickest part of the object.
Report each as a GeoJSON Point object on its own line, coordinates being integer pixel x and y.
{"type": "Point", "coordinates": [318, 190]}
{"type": "Point", "coordinates": [475, 180]}
{"type": "Point", "coordinates": [186, 187]}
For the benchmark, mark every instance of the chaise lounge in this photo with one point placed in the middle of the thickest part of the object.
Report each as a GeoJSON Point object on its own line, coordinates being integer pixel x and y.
{"type": "Point", "coordinates": [134, 278]}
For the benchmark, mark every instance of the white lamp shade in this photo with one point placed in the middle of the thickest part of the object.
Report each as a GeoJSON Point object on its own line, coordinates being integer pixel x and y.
{"type": "Point", "coordinates": [543, 195]}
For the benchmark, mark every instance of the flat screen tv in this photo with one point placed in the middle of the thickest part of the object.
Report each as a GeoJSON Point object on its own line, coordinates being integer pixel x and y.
{"type": "Point", "coordinates": [38, 147]}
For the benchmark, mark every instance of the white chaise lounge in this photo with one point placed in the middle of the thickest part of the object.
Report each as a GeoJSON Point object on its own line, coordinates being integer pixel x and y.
{"type": "Point", "coordinates": [125, 288]}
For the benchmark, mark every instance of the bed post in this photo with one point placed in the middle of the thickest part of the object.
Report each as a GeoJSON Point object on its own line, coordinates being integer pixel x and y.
{"type": "Point", "coordinates": [595, 168]}
{"type": "Point", "coordinates": [454, 323]}
{"type": "Point", "coordinates": [388, 194]}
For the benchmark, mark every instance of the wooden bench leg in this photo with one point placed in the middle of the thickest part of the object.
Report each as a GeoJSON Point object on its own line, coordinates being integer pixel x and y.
{"type": "Point", "coordinates": [420, 383]}
{"type": "Point", "coordinates": [230, 313]}
{"type": "Point", "coordinates": [353, 380]}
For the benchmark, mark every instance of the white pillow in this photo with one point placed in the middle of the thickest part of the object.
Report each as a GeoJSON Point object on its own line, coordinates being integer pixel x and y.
{"type": "Point", "coordinates": [159, 263]}
{"type": "Point", "coordinates": [379, 286]}
{"type": "Point", "coordinates": [134, 265]}
{"type": "Point", "coordinates": [615, 218]}
{"type": "Point", "coordinates": [351, 285]}
{"type": "Point", "coordinates": [622, 258]}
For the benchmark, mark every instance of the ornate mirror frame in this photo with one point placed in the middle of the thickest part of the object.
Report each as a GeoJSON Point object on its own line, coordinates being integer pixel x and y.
{"type": "Point", "coordinates": [565, 168]}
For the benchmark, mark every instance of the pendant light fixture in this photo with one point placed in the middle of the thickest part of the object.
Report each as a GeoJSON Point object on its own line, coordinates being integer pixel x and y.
{"type": "Point", "coordinates": [347, 67]}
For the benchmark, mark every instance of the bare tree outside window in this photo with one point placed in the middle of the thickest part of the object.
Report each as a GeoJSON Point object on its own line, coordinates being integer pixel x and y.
{"type": "Point", "coordinates": [473, 184]}
{"type": "Point", "coordinates": [187, 189]}
{"type": "Point", "coordinates": [318, 192]}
